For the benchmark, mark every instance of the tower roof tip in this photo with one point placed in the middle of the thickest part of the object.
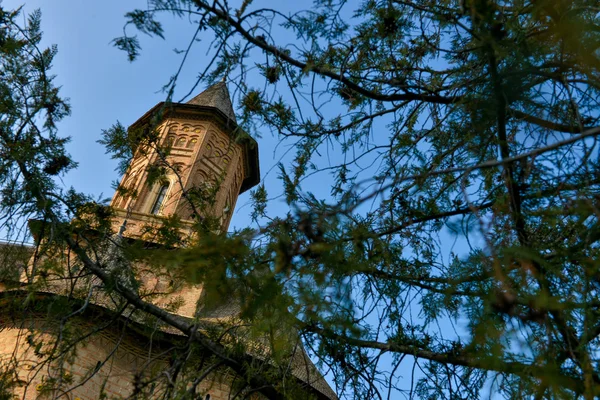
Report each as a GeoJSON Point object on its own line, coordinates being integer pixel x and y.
{"type": "Point", "coordinates": [216, 96]}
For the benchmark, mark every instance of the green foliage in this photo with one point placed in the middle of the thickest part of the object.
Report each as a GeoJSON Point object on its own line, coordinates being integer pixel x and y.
{"type": "Point", "coordinates": [461, 142]}
{"type": "Point", "coordinates": [118, 141]}
{"type": "Point", "coordinates": [252, 101]}
{"type": "Point", "coordinates": [144, 22]}
{"type": "Point", "coordinates": [129, 44]}
{"type": "Point", "coordinates": [458, 141]}
{"type": "Point", "coordinates": [27, 96]}
{"type": "Point", "coordinates": [259, 202]}
{"type": "Point", "coordinates": [8, 382]}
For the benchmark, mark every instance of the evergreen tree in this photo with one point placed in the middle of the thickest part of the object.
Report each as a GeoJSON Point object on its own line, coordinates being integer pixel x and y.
{"type": "Point", "coordinates": [456, 254]}
{"type": "Point", "coordinates": [460, 237]}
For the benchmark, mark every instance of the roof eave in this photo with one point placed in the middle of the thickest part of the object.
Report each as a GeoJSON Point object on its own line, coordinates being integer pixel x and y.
{"type": "Point", "coordinates": [231, 126]}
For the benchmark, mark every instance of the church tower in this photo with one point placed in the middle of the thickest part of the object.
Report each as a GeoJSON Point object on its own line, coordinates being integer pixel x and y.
{"type": "Point", "coordinates": [205, 160]}
{"type": "Point", "coordinates": [201, 151]}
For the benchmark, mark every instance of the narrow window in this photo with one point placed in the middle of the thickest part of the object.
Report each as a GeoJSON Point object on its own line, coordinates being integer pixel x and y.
{"type": "Point", "coordinates": [227, 208]}
{"type": "Point", "coordinates": [160, 197]}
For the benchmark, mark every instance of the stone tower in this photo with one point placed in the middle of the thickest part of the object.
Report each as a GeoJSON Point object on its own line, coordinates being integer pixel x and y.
{"type": "Point", "coordinates": [201, 151]}
{"type": "Point", "coordinates": [207, 151]}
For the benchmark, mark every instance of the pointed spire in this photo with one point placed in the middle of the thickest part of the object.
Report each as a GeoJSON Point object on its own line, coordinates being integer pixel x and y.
{"type": "Point", "coordinates": [216, 96]}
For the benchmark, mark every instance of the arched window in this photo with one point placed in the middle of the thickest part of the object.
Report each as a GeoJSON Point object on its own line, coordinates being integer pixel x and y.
{"type": "Point", "coordinates": [160, 198]}
{"type": "Point", "coordinates": [180, 142]}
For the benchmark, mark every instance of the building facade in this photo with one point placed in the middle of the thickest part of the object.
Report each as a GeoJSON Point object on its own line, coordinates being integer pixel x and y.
{"type": "Point", "coordinates": [193, 167]}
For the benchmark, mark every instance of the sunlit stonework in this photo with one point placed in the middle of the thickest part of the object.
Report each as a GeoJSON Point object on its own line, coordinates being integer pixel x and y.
{"type": "Point", "coordinates": [201, 147]}
{"type": "Point", "coordinates": [206, 151]}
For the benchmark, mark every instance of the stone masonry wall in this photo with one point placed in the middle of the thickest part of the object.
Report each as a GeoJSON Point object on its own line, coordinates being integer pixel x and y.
{"type": "Point", "coordinates": [106, 363]}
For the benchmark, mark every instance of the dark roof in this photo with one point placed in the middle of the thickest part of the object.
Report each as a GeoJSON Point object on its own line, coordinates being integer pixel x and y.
{"type": "Point", "coordinates": [216, 96]}
{"type": "Point", "coordinates": [227, 314]}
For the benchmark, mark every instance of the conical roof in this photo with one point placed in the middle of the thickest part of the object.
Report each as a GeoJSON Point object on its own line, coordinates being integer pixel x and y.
{"type": "Point", "coordinates": [216, 96]}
